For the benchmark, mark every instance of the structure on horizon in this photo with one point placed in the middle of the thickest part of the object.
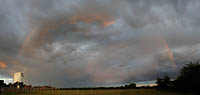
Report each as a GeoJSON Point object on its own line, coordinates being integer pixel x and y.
{"type": "Point", "coordinates": [18, 77]}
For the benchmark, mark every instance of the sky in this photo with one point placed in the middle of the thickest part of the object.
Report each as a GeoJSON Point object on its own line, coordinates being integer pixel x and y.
{"type": "Point", "coordinates": [79, 43]}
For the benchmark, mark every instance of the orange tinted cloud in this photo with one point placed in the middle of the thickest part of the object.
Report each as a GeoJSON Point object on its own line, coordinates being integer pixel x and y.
{"type": "Point", "coordinates": [103, 19]}
{"type": "Point", "coordinates": [108, 23]}
{"type": "Point", "coordinates": [2, 64]}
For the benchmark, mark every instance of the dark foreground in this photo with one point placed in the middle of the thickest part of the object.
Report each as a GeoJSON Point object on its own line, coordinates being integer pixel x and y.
{"type": "Point", "coordinates": [97, 92]}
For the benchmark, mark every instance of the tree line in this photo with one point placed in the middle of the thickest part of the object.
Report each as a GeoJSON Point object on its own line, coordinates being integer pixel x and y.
{"type": "Point", "coordinates": [187, 80]}
{"type": "Point", "coordinates": [129, 86]}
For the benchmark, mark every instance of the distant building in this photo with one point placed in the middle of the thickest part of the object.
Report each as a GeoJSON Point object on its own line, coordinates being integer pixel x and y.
{"type": "Point", "coordinates": [18, 77]}
{"type": "Point", "coordinates": [47, 88]}
{"type": "Point", "coordinates": [44, 87]}
{"type": "Point", "coordinates": [27, 86]}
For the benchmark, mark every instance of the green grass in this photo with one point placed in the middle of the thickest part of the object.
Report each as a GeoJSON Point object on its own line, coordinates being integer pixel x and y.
{"type": "Point", "coordinates": [97, 92]}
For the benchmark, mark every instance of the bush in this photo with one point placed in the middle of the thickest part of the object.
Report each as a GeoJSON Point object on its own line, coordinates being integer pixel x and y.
{"type": "Point", "coordinates": [189, 78]}
{"type": "Point", "coordinates": [164, 83]}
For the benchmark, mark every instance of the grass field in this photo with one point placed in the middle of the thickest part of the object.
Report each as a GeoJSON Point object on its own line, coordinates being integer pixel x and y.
{"type": "Point", "coordinates": [97, 92]}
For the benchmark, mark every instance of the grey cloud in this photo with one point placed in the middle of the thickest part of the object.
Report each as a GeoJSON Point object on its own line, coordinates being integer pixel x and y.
{"type": "Point", "coordinates": [88, 54]}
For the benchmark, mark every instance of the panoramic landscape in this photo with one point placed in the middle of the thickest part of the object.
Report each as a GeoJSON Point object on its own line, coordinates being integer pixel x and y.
{"type": "Point", "coordinates": [99, 47]}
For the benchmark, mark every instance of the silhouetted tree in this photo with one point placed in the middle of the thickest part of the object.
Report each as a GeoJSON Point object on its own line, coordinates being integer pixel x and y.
{"type": "Point", "coordinates": [164, 82]}
{"type": "Point", "coordinates": [189, 78]}
{"type": "Point", "coordinates": [130, 86]}
{"type": "Point", "coordinates": [2, 85]}
{"type": "Point", "coordinates": [17, 85]}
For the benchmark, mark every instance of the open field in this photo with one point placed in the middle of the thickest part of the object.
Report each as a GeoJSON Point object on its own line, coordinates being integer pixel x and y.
{"type": "Point", "coordinates": [97, 92]}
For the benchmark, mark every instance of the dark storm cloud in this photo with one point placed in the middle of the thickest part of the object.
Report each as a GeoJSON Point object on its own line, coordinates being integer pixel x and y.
{"type": "Point", "coordinates": [85, 52]}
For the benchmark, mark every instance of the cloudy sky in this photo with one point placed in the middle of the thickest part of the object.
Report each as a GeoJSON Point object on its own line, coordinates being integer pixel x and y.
{"type": "Point", "coordinates": [73, 43]}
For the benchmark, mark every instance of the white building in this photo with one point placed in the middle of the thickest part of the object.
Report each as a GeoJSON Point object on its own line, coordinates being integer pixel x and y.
{"type": "Point", "coordinates": [18, 77]}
